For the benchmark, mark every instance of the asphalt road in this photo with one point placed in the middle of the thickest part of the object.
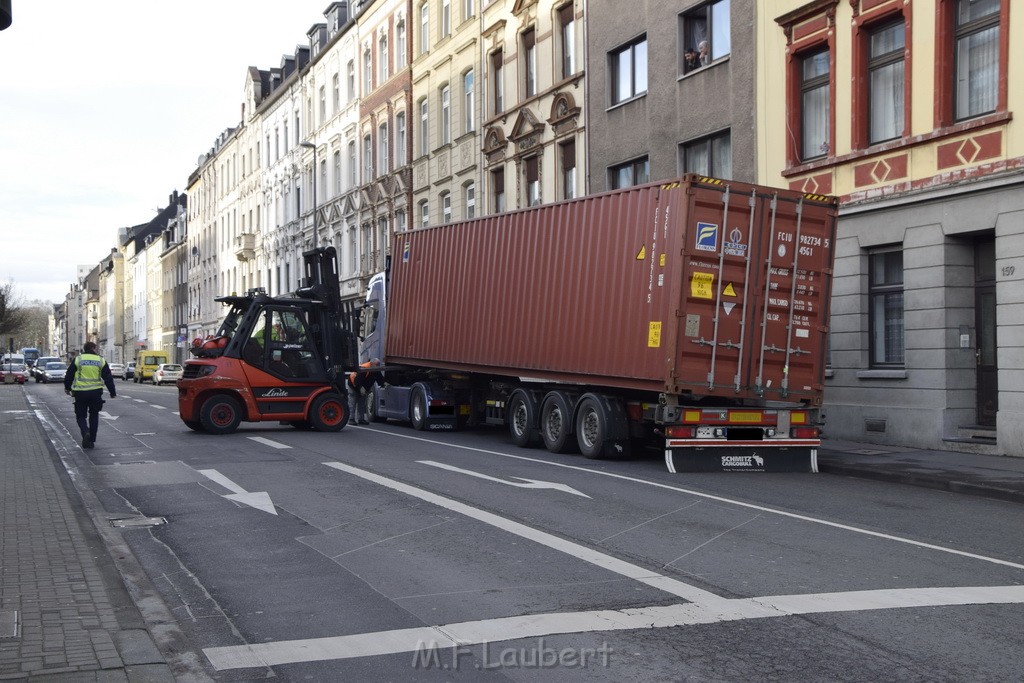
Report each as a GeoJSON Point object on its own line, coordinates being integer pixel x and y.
{"type": "Point", "coordinates": [382, 553]}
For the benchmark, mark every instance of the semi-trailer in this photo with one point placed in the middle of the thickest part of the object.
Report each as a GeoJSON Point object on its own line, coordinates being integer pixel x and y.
{"type": "Point", "coordinates": [692, 314]}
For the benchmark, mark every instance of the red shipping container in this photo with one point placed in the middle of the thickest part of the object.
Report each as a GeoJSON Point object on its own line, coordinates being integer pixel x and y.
{"type": "Point", "coordinates": [698, 287]}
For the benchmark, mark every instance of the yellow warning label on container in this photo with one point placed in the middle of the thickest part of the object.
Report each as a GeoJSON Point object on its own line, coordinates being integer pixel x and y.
{"type": "Point", "coordinates": [661, 261]}
{"type": "Point", "coordinates": [729, 291]}
{"type": "Point", "coordinates": [700, 285]}
{"type": "Point", "coordinates": [654, 335]}
{"type": "Point", "coordinates": [642, 255]}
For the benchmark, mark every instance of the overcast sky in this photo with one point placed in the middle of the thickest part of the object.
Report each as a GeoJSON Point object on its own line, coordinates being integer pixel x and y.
{"type": "Point", "coordinates": [105, 107]}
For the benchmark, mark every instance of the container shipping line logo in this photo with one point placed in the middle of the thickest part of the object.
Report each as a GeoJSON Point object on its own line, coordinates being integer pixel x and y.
{"type": "Point", "coordinates": [707, 237]}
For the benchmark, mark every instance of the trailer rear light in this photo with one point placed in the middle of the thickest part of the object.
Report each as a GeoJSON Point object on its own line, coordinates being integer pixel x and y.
{"type": "Point", "coordinates": [804, 432]}
{"type": "Point", "coordinates": [680, 432]}
{"type": "Point", "coordinates": [438, 402]}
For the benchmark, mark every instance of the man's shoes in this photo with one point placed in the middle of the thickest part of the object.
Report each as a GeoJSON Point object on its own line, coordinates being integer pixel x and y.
{"type": "Point", "coordinates": [87, 442]}
{"type": "Point", "coordinates": [353, 422]}
{"type": "Point", "coordinates": [364, 422]}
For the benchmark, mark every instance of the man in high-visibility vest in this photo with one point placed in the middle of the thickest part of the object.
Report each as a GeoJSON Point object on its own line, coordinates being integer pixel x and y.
{"type": "Point", "coordinates": [84, 380]}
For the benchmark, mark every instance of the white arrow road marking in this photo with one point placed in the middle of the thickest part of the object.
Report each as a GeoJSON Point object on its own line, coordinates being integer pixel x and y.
{"type": "Point", "coordinates": [705, 608]}
{"type": "Point", "coordinates": [530, 483]}
{"type": "Point", "coordinates": [268, 442]}
{"type": "Point", "coordinates": [259, 500]}
{"type": "Point", "coordinates": [107, 416]}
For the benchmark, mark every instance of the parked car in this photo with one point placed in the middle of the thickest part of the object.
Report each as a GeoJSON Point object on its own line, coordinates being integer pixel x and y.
{"type": "Point", "coordinates": [167, 372]}
{"type": "Point", "coordinates": [39, 368]}
{"type": "Point", "coordinates": [116, 369]}
{"type": "Point", "coordinates": [52, 372]}
{"type": "Point", "coordinates": [15, 371]}
{"type": "Point", "coordinates": [129, 371]}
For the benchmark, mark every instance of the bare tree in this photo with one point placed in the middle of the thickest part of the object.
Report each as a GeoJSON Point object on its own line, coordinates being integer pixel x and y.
{"type": "Point", "coordinates": [13, 315]}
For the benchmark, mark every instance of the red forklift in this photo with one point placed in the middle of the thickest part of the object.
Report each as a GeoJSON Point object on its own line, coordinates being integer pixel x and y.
{"type": "Point", "coordinates": [283, 359]}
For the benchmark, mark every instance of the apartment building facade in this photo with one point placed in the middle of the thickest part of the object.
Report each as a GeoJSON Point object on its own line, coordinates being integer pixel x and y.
{"type": "Point", "coordinates": [904, 110]}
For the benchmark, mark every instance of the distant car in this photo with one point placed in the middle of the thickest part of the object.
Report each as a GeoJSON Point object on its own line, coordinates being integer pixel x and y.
{"type": "Point", "coordinates": [167, 372]}
{"type": "Point", "coordinates": [15, 371]}
{"type": "Point", "coordinates": [39, 368]}
{"type": "Point", "coordinates": [129, 371]}
{"type": "Point", "coordinates": [116, 369]}
{"type": "Point", "coordinates": [53, 372]}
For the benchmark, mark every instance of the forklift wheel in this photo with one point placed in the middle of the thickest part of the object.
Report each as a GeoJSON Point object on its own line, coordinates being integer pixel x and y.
{"type": "Point", "coordinates": [220, 414]}
{"type": "Point", "coordinates": [329, 413]}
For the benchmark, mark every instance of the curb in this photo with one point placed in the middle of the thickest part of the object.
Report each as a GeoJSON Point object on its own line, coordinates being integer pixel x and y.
{"type": "Point", "coordinates": [924, 481]}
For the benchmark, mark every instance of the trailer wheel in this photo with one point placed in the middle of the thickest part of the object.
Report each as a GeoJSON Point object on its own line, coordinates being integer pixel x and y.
{"type": "Point", "coordinates": [418, 409]}
{"type": "Point", "coordinates": [220, 414]}
{"type": "Point", "coordinates": [329, 413]}
{"type": "Point", "coordinates": [556, 423]}
{"type": "Point", "coordinates": [601, 427]}
{"type": "Point", "coordinates": [522, 419]}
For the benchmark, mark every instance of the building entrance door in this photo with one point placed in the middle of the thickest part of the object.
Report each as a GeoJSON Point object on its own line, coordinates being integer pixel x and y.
{"type": "Point", "coordinates": [987, 370]}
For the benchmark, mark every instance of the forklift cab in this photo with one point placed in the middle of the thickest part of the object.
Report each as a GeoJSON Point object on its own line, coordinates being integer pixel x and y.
{"type": "Point", "coordinates": [280, 345]}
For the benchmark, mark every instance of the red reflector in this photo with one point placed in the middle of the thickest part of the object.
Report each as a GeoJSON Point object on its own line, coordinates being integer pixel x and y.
{"type": "Point", "coordinates": [438, 402]}
{"type": "Point", "coordinates": [680, 432]}
{"type": "Point", "coordinates": [635, 412]}
{"type": "Point", "coordinates": [804, 432]}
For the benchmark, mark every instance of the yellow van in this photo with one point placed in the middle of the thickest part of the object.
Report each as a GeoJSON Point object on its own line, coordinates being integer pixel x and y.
{"type": "Point", "coordinates": [146, 363]}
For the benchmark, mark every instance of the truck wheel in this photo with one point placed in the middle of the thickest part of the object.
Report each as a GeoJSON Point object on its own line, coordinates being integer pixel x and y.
{"type": "Point", "coordinates": [522, 419]}
{"type": "Point", "coordinates": [418, 409]}
{"type": "Point", "coordinates": [329, 413]}
{"type": "Point", "coordinates": [220, 414]}
{"type": "Point", "coordinates": [371, 407]}
{"type": "Point", "coordinates": [555, 427]}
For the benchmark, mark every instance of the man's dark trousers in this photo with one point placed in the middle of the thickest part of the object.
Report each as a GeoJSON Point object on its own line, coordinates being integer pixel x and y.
{"type": "Point", "coordinates": [88, 403]}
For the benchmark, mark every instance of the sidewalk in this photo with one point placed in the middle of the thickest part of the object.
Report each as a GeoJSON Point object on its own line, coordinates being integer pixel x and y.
{"type": "Point", "coordinates": [65, 613]}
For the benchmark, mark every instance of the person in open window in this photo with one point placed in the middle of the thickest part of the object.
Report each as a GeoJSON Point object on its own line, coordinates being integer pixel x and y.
{"type": "Point", "coordinates": [691, 60]}
{"type": "Point", "coordinates": [704, 53]}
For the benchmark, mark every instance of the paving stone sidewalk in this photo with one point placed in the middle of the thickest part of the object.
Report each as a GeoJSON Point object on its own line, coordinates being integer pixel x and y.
{"type": "Point", "coordinates": [65, 614]}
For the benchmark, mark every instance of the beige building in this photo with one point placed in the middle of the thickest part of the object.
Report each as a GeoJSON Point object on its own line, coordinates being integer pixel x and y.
{"type": "Point", "coordinates": [905, 109]}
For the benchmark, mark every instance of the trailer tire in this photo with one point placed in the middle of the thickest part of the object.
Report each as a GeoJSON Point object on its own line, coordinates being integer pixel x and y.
{"type": "Point", "coordinates": [522, 419]}
{"type": "Point", "coordinates": [556, 423]}
{"type": "Point", "coordinates": [220, 414]}
{"type": "Point", "coordinates": [418, 409]}
{"type": "Point", "coordinates": [329, 412]}
{"type": "Point", "coordinates": [600, 428]}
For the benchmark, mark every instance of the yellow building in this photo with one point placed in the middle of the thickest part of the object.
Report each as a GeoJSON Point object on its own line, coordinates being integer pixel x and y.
{"type": "Point", "coordinates": [905, 110]}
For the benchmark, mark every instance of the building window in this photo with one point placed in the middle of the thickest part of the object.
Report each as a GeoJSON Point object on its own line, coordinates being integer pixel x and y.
{"type": "Point", "coordinates": [367, 71]}
{"type": "Point", "coordinates": [886, 315]}
{"type": "Point", "coordinates": [367, 157]}
{"type": "Point", "coordinates": [337, 173]}
{"type": "Point", "coordinates": [469, 192]}
{"type": "Point", "coordinates": [498, 85]}
{"type": "Point", "coordinates": [424, 127]}
{"type": "Point", "coordinates": [498, 189]}
{"type": "Point", "coordinates": [532, 178]}
{"type": "Point", "coordinates": [323, 104]}
{"type": "Point", "coordinates": [446, 18]}
{"type": "Point", "coordinates": [814, 105]}
{"type": "Point", "coordinates": [446, 115]}
{"type": "Point", "coordinates": [424, 214]}
{"type": "Point", "coordinates": [353, 166]}
{"type": "Point", "coordinates": [336, 92]}
{"type": "Point", "coordinates": [400, 158]}
{"type": "Point", "coordinates": [400, 46]}
{"type": "Point", "coordinates": [424, 28]}
{"type": "Point", "coordinates": [567, 157]}
{"type": "Point", "coordinates": [446, 207]}
{"type": "Point", "coordinates": [351, 80]}
{"type": "Point", "coordinates": [529, 57]}
{"type": "Point", "coordinates": [566, 18]}
{"type": "Point", "coordinates": [629, 71]}
{"type": "Point", "coordinates": [976, 84]}
{"type": "Point", "coordinates": [704, 33]}
{"type": "Point", "coordinates": [636, 172]}
{"type": "Point", "coordinates": [285, 137]}
{"type": "Point", "coordinates": [382, 151]}
{"type": "Point", "coordinates": [298, 136]}
{"type": "Point", "coordinates": [385, 58]}
{"type": "Point", "coordinates": [708, 156]}
{"type": "Point", "coordinates": [321, 187]}
{"type": "Point", "coordinates": [885, 79]}
{"type": "Point", "coordinates": [399, 221]}
{"type": "Point", "coordinates": [468, 101]}
{"type": "Point", "coordinates": [468, 10]}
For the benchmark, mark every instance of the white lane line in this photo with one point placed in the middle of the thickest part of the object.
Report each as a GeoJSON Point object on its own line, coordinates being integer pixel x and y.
{"type": "Point", "coordinates": [268, 442]}
{"type": "Point", "coordinates": [603, 560]}
{"type": "Point", "coordinates": [158, 407]}
{"type": "Point", "coordinates": [465, 634]}
{"type": "Point", "coordinates": [139, 400]}
{"type": "Point", "coordinates": [720, 499]}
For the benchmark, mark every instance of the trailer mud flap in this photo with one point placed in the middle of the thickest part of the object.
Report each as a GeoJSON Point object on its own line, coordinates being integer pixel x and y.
{"type": "Point", "coordinates": [732, 459]}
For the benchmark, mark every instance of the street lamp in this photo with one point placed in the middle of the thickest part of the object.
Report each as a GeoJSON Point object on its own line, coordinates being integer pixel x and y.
{"type": "Point", "coordinates": [310, 145]}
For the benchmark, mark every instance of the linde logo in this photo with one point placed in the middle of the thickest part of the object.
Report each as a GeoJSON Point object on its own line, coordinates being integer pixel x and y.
{"type": "Point", "coordinates": [275, 393]}
{"type": "Point", "coordinates": [742, 461]}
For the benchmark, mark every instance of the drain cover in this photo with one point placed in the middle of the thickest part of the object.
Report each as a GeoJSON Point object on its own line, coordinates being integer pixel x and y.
{"type": "Point", "coordinates": [8, 623]}
{"type": "Point", "coordinates": [137, 522]}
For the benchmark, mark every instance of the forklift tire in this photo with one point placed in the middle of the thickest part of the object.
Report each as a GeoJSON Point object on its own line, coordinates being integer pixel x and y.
{"type": "Point", "coordinates": [220, 414]}
{"type": "Point", "coordinates": [329, 413]}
